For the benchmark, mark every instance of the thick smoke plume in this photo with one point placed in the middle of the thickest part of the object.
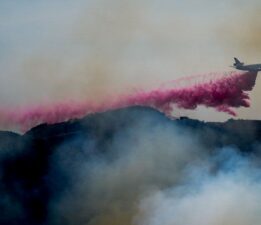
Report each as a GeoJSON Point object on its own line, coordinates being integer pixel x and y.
{"type": "Point", "coordinates": [220, 91]}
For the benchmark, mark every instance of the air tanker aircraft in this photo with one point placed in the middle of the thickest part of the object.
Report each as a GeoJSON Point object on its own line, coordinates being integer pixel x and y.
{"type": "Point", "coordinates": [251, 67]}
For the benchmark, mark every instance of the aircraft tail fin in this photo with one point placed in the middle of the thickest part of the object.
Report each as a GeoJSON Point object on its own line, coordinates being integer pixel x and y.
{"type": "Point", "coordinates": [237, 62]}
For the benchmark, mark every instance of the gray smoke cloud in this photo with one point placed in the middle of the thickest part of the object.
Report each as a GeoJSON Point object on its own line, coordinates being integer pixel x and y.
{"type": "Point", "coordinates": [106, 189]}
{"type": "Point", "coordinates": [157, 173]}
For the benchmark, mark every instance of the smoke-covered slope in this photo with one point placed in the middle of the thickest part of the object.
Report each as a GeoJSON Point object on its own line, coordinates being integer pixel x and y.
{"type": "Point", "coordinates": [106, 168]}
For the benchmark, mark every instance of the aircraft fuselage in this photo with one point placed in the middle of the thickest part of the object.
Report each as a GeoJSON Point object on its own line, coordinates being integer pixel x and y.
{"type": "Point", "coordinates": [251, 68]}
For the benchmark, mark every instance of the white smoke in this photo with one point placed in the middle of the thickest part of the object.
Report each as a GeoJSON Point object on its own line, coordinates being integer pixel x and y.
{"type": "Point", "coordinates": [231, 196]}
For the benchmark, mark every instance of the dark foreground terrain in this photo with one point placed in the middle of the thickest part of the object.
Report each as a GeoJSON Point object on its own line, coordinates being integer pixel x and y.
{"type": "Point", "coordinates": [39, 168]}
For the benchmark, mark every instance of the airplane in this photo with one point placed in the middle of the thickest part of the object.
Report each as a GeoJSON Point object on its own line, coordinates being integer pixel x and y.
{"type": "Point", "coordinates": [251, 67]}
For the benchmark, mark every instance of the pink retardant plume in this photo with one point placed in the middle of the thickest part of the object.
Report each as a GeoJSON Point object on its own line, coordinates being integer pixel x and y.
{"type": "Point", "coordinates": [220, 91]}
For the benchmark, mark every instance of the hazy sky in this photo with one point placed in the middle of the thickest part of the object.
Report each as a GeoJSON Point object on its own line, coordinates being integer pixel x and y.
{"type": "Point", "coordinates": [57, 50]}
